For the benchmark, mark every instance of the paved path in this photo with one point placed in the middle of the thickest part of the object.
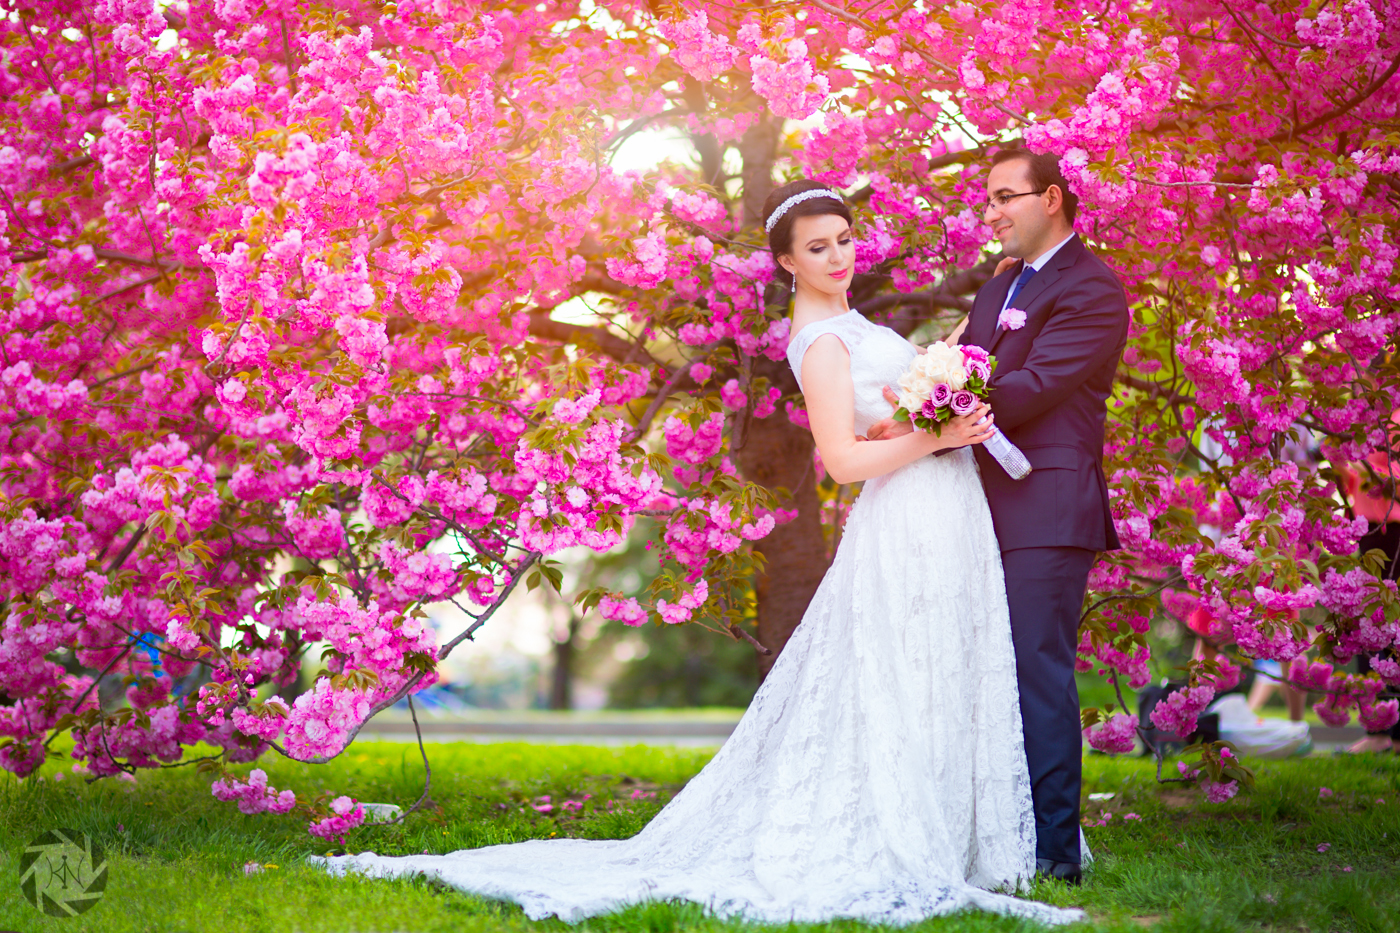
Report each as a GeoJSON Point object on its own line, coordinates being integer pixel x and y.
{"type": "Point", "coordinates": [702, 728]}
{"type": "Point", "coordinates": [1327, 739]}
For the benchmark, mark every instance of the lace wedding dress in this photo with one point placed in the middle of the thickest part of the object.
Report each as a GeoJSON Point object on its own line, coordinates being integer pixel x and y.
{"type": "Point", "coordinates": [879, 772]}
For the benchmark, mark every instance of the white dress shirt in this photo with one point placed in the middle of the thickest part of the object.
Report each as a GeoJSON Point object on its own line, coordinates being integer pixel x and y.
{"type": "Point", "coordinates": [1039, 264]}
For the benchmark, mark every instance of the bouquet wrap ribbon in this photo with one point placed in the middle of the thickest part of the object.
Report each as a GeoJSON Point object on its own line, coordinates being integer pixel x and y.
{"type": "Point", "coordinates": [1008, 455]}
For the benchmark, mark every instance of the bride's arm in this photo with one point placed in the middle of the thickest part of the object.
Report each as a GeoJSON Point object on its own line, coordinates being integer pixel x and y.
{"type": "Point", "coordinates": [826, 374]}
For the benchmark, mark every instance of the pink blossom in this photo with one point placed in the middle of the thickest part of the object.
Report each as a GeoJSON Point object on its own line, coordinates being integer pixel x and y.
{"type": "Point", "coordinates": [626, 611]}
{"type": "Point", "coordinates": [1219, 792]}
{"type": "Point", "coordinates": [1176, 715]}
{"type": "Point", "coordinates": [1118, 734]}
{"type": "Point", "coordinates": [254, 795]}
{"type": "Point", "coordinates": [793, 88]}
{"type": "Point", "coordinates": [321, 720]}
{"type": "Point", "coordinates": [700, 52]}
{"type": "Point", "coordinates": [767, 403]}
{"type": "Point", "coordinates": [572, 411]}
{"type": "Point", "coordinates": [694, 446]}
{"type": "Point", "coordinates": [1332, 712]}
{"type": "Point", "coordinates": [1379, 716]}
{"type": "Point", "coordinates": [259, 390]}
{"type": "Point", "coordinates": [346, 814]}
{"type": "Point", "coordinates": [1226, 676]}
{"type": "Point", "coordinates": [672, 613]}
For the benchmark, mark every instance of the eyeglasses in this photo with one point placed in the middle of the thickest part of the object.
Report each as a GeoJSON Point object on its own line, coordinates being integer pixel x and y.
{"type": "Point", "coordinates": [999, 201]}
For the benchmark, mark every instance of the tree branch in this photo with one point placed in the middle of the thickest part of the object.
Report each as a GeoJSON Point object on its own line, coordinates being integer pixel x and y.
{"type": "Point", "coordinates": [427, 772]}
{"type": "Point", "coordinates": [933, 298]}
{"type": "Point", "coordinates": [126, 288]}
{"type": "Point", "coordinates": [738, 632]}
{"type": "Point", "coordinates": [1375, 86]}
{"type": "Point", "coordinates": [843, 15]}
{"type": "Point", "coordinates": [114, 255]}
{"type": "Point", "coordinates": [515, 578]}
{"type": "Point", "coordinates": [619, 349]}
{"type": "Point", "coordinates": [68, 165]}
{"type": "Point", "coordinates": [1261, 33]}
{"type": "Point", "coordinates": [96, 683]}
{"type": "Point", "coordinates": [1154, 389]}
{"type": "Point", "coordinates": [126, 551]}
{"type": "Point", "coordinates": [1117, 596]}
{"type": "Point", "coordinates": [680, 376]}
{"type": "Point", "coordinates": [960, 157]}
{"type": "Point", "coordinates": [944, 295]}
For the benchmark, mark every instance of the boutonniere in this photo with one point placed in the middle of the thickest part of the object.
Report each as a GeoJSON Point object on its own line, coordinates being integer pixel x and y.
{"type": "Point", "coordinates": [1012, 319]}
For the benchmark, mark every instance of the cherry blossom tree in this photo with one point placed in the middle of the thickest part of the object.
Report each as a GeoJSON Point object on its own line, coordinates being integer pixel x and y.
{"type": "Point", "coordinates": [319, 314]}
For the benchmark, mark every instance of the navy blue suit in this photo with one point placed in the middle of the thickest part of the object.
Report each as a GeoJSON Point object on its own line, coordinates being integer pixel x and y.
{"type": "Point", "coordinates": [1049, 396]}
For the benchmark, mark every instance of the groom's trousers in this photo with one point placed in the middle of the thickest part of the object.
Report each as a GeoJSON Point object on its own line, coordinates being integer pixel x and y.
{"type": "Point", "coordinates": [1045, 591]}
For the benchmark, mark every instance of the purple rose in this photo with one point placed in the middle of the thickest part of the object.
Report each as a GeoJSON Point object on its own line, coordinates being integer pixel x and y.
{"type": "Point", "coordinates": [929, 409]}
{"type": "Point", "coordinates": [980, 369]}
{"type": "Point", "coordinates": [941, 395]}
{"type": "Point", "coordinates": [963, 402]}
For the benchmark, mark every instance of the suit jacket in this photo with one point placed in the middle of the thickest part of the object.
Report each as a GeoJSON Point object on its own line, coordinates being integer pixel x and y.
{"type": "Point", "coordinates": [1049, 395]}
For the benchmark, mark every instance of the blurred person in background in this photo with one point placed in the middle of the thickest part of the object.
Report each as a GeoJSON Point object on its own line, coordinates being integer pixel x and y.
{"type": "Point", "coordinates": [1370, 489]}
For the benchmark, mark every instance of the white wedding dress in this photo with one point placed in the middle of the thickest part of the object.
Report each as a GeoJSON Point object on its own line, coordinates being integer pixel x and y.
{"type": "Point", "coordinates": [879, 772]}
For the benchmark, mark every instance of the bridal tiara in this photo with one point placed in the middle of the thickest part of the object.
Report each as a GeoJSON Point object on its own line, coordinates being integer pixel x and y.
{"type": "Point", "coordinates": [796, 199]}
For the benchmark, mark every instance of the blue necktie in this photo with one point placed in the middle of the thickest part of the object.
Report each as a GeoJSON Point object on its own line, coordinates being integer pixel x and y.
{"type": "Point", "coordinates": [1020, 282]}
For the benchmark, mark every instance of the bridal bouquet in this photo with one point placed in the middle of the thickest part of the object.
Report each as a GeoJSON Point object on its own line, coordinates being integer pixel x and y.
{"type": "Point", "coordinates": [945, 382]}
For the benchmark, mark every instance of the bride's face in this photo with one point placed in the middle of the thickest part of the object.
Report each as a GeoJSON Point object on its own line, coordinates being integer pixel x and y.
{"type": "Point", "coordinates": [823, 254]}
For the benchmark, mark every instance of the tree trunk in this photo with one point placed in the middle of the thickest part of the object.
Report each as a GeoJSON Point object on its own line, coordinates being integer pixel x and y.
{"type": "Point", "coordinates": [561, 687]}
{"type": "Point", "coordinates": [758, 148]}
{"type": "Point", "coordinates": [706, 145]}
{"type": "Point", "coordinates": [777, 452]}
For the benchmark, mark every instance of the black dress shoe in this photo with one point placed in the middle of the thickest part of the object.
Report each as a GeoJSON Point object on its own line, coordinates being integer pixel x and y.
{"type": "Point", "coordinates": [1068, 872]}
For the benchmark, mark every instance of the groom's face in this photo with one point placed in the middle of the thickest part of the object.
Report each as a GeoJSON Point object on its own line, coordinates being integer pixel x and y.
{"type": "Point", "coordinates": [1021, 224]}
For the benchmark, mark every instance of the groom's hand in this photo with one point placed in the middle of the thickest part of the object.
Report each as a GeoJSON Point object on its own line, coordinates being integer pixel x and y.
{"type": "Point", "coordinates": [887, 428]}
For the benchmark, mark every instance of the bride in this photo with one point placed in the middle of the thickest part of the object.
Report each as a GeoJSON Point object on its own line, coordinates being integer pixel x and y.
{"type": "Point", "coordinates": [879, 772]}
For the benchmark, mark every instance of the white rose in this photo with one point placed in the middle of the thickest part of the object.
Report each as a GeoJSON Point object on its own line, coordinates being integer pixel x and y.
{"type": "Point", "coordinates": [941, 351]}
{"type": "Point", "coordinates": [916, 383]}
{"type": "Point", "coordinates": [943, 363]}
{"type": "Point", "coordinates": [937, 371]}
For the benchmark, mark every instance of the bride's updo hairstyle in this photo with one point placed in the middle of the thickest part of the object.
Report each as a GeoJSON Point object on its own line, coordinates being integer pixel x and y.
{"type": "Point", "coordinates": [780, 233]}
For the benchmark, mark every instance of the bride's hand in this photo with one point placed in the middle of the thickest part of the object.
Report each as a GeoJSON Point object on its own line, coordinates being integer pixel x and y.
{"type": "Point", "coordinates": [887, 429]}
{"type": "Point", "coordinates": [965, 430]}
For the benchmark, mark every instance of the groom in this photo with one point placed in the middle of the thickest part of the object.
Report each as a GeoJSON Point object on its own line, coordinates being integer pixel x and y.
{"type": "Point", "coordinates": [1057, 322]}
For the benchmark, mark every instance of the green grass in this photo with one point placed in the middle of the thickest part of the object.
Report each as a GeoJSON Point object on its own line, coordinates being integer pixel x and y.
{"type": "Point", "coordinates": [176, 855]}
